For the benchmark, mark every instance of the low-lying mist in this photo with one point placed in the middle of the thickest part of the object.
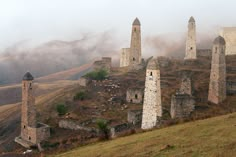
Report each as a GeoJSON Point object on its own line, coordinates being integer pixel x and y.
{"type": "Point", "coordinates": [56, 55]}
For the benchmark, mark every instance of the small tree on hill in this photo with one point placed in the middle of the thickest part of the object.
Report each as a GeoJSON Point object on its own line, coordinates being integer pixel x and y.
{"type": "Point", "coordinates": [80, 95]}
{"type": "Point", "coordinates": [97, 75]}
{"type": "Point", "coordinates": [61, 109]}
{"type": "Point", "coordinates": [103, 129]}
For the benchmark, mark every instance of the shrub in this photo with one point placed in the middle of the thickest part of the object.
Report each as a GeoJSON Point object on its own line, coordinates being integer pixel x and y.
{"type": "Point", "coordinates": [103, 129]}
{"type": "Point", "coordinates": [61, 109]}
{"type": "Point", "coordinates": [97, 75]}
{"type": "Point", "coordinates": [80, 96]}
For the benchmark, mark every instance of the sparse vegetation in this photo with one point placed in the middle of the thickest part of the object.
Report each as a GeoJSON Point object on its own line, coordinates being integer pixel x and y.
{"type": "Point", "coordinates": [103, 129]}
{"type": "Point", "coordinates": [61, 109]}
{"type": "Point", "coordinates": [210, 137]}
{"type": "Point", "coordinates": [80, 95]}
{"type": "Point", "coordinates": [97, 75]}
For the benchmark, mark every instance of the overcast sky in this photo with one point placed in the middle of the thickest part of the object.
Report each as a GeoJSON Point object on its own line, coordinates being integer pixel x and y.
{"type": "Point", "coordinates": [44, 20]}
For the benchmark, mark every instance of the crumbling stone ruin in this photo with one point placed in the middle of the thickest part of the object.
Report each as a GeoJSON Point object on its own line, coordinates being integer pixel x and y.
{"type": "Point", "coordinates": [217, 86]}
{"type": "Point", "coordinates": [163, 61]}
{"type": "Point", "coordinates": [105, 64]}
{"type": "Point", "coordinates": [132, 56]}
{"type": "Point", "coordinates": [231, 87]}
{"type": "Point", "coordinates": [84, 81]}
{"type": "Point", "coordinates": [204, 53]}
{"type": "Point", "coordinates": [32, 132]}
{"type": "Point", "coordinates": [182, 102]}
{"type": "Point", "coordinates": [186, 84]}
{"type": "Point", "coordinates": [152, 108]}
{"type": "Point", "coordinates": [229, 34]}
{"type": "Point", "coordinates": [134, 95]}
{"type": "Point", "coordinates": [191, 49]}
{"type": "Point", "coordinates": [181, 105]}
{"type": "Point", "coordinates": [135, 117]}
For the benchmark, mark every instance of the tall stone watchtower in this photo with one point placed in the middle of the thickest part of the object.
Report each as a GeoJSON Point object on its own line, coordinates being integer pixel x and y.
{"type": "Point", "coordinates": [217, 86]}
{"type": "Point", "coordinates": [135, 45]}
{"type": "Point", "coordinates": [152, 108]}
{"type": "Point", "coordinates": [32, 132]}
{"type": "Point", "coordinates": [191, 48]}
{"type": "Point", "coordinates": [28, 110]}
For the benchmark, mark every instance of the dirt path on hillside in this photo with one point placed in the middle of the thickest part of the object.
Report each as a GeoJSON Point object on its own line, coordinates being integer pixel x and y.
{"type": "Point", "coordinates": [9, 127]}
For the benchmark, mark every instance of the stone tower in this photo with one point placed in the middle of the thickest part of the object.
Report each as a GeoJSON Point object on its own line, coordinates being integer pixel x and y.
{"type": "Point", "coordinates": [191, 50]}
{"type": "Point", "coordinates": [135, 45]}
{"type": "Point", "coordinates": [28, 110]}
{"type": "Point", "coordinates": [32, 132]}
{"type": "Point", "coordinates": [152, 108]}
{"type": "Point", "coordinates": [217, 86]}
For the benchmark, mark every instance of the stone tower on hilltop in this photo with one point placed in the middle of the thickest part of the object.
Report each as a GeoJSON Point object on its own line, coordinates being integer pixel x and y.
{"type": "Point", "coordinates": [135, 45]}
{"type": "Point", "coordinates": [132, 56]}
{"type": "Point", "coordinates": [28, 110]}
{"type": "Point", "coordinates": [32, 132]}
{"type": "Point", "coordinates": [152, 108]}
{"type": "Point", "coordinates": [217, 86]}
{"type": "Point", "coordinates": [191, 48]}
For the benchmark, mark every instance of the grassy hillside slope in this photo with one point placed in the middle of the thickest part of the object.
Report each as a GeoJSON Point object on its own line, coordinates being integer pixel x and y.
{"type": "Point", "coordinates": [210, 137]}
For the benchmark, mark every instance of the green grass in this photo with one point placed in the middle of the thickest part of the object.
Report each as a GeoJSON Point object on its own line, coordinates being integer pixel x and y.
{"type": "Point", "coordinates": [214, 137]}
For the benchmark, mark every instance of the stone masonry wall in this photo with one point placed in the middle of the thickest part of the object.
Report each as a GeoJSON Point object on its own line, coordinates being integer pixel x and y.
{"type": "Point", "coordinates": [134, 95]}
{"type": "Point", "coordinates": [124, 57]}
{"type": "Point", "coordinates": [181, 105]}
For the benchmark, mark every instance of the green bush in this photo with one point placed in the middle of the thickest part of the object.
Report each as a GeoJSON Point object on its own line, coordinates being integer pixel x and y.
{"type": "Point", "coordinates": [97, 75]}
{"type": "Point", "coordinates": [61, 109]}
{"type": "Point", "coordinates": [103, 129]}
{"type": "Point", "coordinates": [80, 96]}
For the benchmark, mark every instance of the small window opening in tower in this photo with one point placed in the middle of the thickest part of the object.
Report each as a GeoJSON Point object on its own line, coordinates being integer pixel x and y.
{"type": "Point", "coordinates": [131, 100]}
{"type": "Point", "coordinates": [150, 73]}
{"type": "Point", "coordinates": [191, 48]}
{"type": "Point", "coordinates": [30, 86]}
{"type": "Point", "coordinates": [133, 59]}
{"type": "Point", "coordinates": [29, 138]}
{"type": "Point", "coordinates": [136, 96]}
{"type": "Point", "coordinates": [24, 126]}
{"type": "Point", "coordinates": [216, 50]}
{"type": "Point", "coordinates": [135, 29]}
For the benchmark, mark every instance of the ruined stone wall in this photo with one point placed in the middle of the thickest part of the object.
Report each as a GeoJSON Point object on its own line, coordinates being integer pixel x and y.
{"type": "Point", "coordinates": [190, 52]}
{"type": "Point", "coordinates": [73, 125]}
{"type": "Point", "coordinates": [163, 61]}
{"type": "Point", "coordinates": [152, 108]}
{"type": "Point", "coordinates": [84, 81]}
{"type": "Point", "coordinates": [204, 53]}
{"type": "Point", "coordinates": [181, 105]}
{"type": "Point", "coordinates": [231, 87]}
{"type": "Point", "coordinates": [124, 57]}
{"type": "Point", "coordinates": [135, 116]}
{"type": "Point", "coordinates": [105, 64]}
{"type": "Point", "coordinates": [134, 95]}
{"type": "Point", "coordinates": [217, 86]}
{"type": "Point", "coordinates": [43, 132]}
{"type": "Point", "coordinates": [229, 34]}
{"type": "Point", "coordinates": [186, 85]}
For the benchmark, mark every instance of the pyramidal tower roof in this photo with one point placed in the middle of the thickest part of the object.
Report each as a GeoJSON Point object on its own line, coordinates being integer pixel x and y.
{"type": "Point", "coordinates": [136, 22]}
{"type": "Point", "coordinates": [191, 19]}
{"type": "Point", "coordinates": [219, 40]}
{"type": "Point", "coordinates": [28, 77]}
{"type": "Point", "coordinates": [153, 64]}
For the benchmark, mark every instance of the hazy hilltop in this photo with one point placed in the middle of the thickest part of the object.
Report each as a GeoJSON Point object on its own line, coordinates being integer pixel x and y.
{"type": "Point", "coordinates": [52, 57]}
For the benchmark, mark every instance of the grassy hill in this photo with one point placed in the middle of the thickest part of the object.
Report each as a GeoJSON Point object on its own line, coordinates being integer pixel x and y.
{"type": "Point", "coordinates": [210, 137]}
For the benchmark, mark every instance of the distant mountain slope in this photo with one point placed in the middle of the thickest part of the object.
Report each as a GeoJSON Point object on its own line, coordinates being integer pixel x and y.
{"type": "Point", "coordinates": [71, 74]}
{"type": "Point", "coordinates": [210, 137]}
{"type": "Point", "coordinates": [53, 56]}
